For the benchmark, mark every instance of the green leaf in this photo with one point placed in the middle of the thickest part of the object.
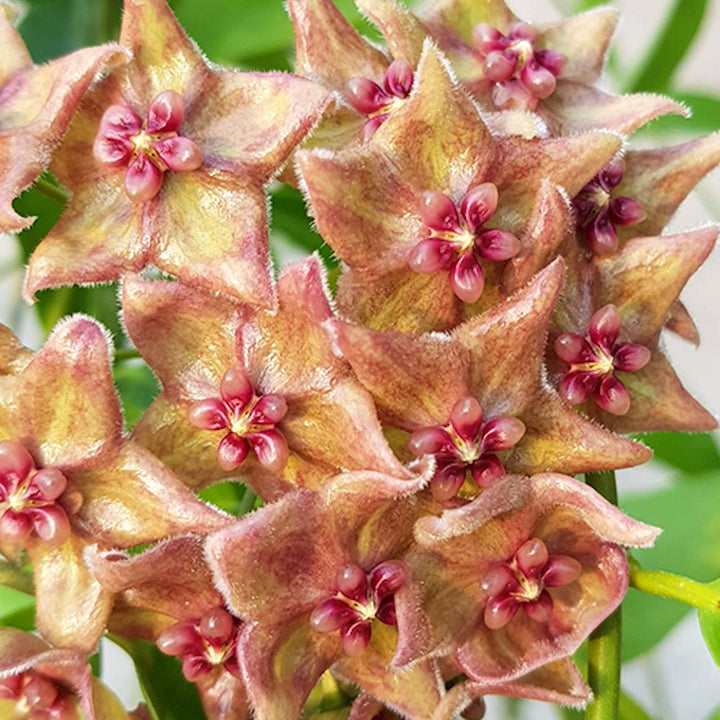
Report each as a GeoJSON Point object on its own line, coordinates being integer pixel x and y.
{"type": "Point", "coordinates": [232, 497]}
{"type": "Point", "coordinates": [689, 545]}
{"type": "Point", "coordinates": [138, 388]}
{"type": "Point", "coordinates": [691, 453]}
{"type": "Point", "coordinates": [710, 628]}
{"type": "Point", "coordinates": [167, 694]}
{"type": "Point", "coordinates": [669, 47]}
{"type": "Point", "coordinates": [17, 609]}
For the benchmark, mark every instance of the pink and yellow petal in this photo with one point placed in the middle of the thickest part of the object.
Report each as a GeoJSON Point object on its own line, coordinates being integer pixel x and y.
{"type": "Point", "coordinates": [328, 48]}
{"type": "Point", "coordinates": [223, 696]}
{"type": "Point", "coordinates": [457, 18]}
{"type": "Point", "coordinates": [209, 229]}
{"type": "Point", "coordinates": [72, 607]}
{"type": "Point", "coordinates": [187, 337]}
{"type": "Point", "coordinates": [15, 56]}
{"type": "Point", "coordinates": [14, 356]}
{"type": "Point", "coordinates": [136, 499]}
{"type": "Point", "coordinates": [68, 413]}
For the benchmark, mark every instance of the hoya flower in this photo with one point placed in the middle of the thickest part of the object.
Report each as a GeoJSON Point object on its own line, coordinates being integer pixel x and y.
{"type": "Point", "coordinates": [166, 162]}
{"type": "Point", "coordinates": [326, 568]}
{"type": "Point", "coordinates": [427, 227]}
{"type": "Point", "coordinates": [256, 396]}
{"type": "Point", "coordinates": [475, 398]}
{"type": "Point", "coordinates": [68, 477]}
{"type": "Point", "coordinates": [638, 196]}
{"type": "Point", "coordinates": [520, 576]}
{"type": "Point", "coordinates": [166, 595]}
{"type": "Point", "coordinates": [506, 63]}
{"type": "Point", "coordinates": [37, 103]}
{"type": "Point", "coordinates": [605, 356]}
{"type": "Point", "coordinates": [39, 681]}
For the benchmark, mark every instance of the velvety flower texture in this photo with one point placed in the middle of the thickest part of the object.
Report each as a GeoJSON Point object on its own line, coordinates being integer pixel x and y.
{"type": "Point", "coordinates": [167, 595]}
{"type": "Point", "coordinates": [506, 63]}
{"type": "Point", "coordinates": [427, 227]}
{"type": "Point", "coordinates": [474, 398]}
{"type": "Point", "coordinates": [68, 476]}
{"type": "Point", "coordinates": [37, 103]}
{"type": "Point", "coordinates": [234, 379]}
{"type": "Point", "coordinates": [166, 161]}
{"type": "Point", "coordinates": [40, 681]}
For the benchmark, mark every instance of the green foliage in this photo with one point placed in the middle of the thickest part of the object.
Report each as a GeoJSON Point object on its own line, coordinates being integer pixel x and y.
{"type": "Point", "coordinates": [689, 545]}
{"type": "Point", "coordinates": [167, 694]}
{"type": "Point", "coordinates": [138, 387]}
{"type": "Point", "coordinates": [691, 454]}
{"type": "Point", "coordinates": [710, 627]}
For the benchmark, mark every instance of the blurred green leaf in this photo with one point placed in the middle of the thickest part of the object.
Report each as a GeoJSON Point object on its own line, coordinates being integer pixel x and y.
{"type": "Point", "coordinates": [168, 695]}
{"type": "Point", "coordinates": [138, 388]}
{"type": "Point", "coordinates": [689, 545]}
{"type": "Point", "coordinates": [232, 497]}
{"type": "Point", "coordinates": [669, 47]}
{"type": "Point", "coordinates": [693, 454]}
{"type": "Point", "coordinates": [17, 609]}
{"type": "Point", "coordinates": [710, 627]}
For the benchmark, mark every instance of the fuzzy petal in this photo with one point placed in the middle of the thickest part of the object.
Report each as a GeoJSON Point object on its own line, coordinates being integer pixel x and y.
{"type": "Point", "coordinates": [223, 696]}
{"type": "Point", "coordinates": [68, 413]}
{"type": "Point", "coordinates": [440, 122]}
{"type": "Point", "coordinates": [661, 179]}
{"type": "Point", "coordinates": [549, 225]}
{"type": "Point", "coordinates": [136, 499]}
{"type": "Point", "coordinates": [558, 682]}
{"type": "Point", "coordinates": [507, 344]}
{"type": "Point", "coordinates": [14, 356]}
{"type": "Point", "coordinates": [197, 331]}
{"type": "Point", "coordinates": [262, 117]}
{"type": "Point", "coordinates": [230, 255]}
{"type": "Point", "coordinates": [577, 108]}
{"type": "Point", "coordinates": [72, 607]}
{"type": "Point", "coordinates": [415, 381]}
{"type": "Point", "coordinates": [328, 48]}
{"type": "Point", "coordinates": [364, 209]}
{"type": "Point", "coordinates": [459, 17]}
{"type": "Point", "coordinates": [669, 260]}
{"type": "Point", "coordinates": [281, 664]}
{"type": "Point", "coordinates": [584, 40]}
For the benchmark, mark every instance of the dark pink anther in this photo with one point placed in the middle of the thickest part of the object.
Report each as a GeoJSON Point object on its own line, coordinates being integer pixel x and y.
{"type": "Point", "coordinates": [593, 360]}
{"type": "Point", "coordinates": [28, 498]}
{"type": "Point", "coordinates": [519, 73]}
{"type": "Point", "coordinates": [203, 643]}
{"type": "Point", "coordinates": [523, 580]}
{"type": "Point", "coordinates": [249, 421]}
{"type": "Point", "coordinates": [457, 240]}
{"type": "Point", "coordinates": [360, 598]}
{"type": "Point", "coordinates": [376, 101]}
{"type": "Point", "coordinates": [147, 149]}
{"type": "Point", "coordinates": [38, 696]}
{"type": "Point", "coordinates": [466, 443]}
{"type": "Point", "coordinates": [598, 213]}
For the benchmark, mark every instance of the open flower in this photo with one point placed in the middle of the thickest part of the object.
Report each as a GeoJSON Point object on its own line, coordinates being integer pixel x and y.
{"type": "Point", "coordinates": [475, 398]}
{"type": "Point", "coordinates": [520, 576]}
{"type": "Point", "coordinates": [605, 356]}
{"type": "Point", "coordinates": [40, 681]}
{"type": "Point", "coordinates": [69, 477]}
{"type": "Point", "coordinates": [506, 63]}
{"type": "Point", "coordinates": [256, 396]}
{"type": "Point", "coordinates": [37, 103]}
{"type": "Point", "coordinates": [427, 227]}
{"type": "Point", "coordinates": [166, 161]}
{"type": "Point", "coordinates": [166, 595]}
{"type": "Point", "coordinates": [326, 571]}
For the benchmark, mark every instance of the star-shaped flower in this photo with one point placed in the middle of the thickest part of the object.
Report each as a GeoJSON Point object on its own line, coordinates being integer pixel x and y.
{"type": "Point", "coordinates": [551, 69]}
{"type": "Point", "coordinates": [326, 568]}
{"type": "Point", "coordinates": [40, 681]}
{"type": "Point", "coordinates": [166, 595]}
{"type": "Point", "coordinates": [166, 161]}
{"type": "Point", "coordinates": [426, 226]}
{"type": "Point", "coordinates": [252, 395]}
{"type": "Point", "coordinates": [37, 103]}
{"type": "Point", "coordinates": [476, 398]}
{"type": "Point", "coordinates": [68, 477]}
{"type": "Point", "coordinates": [520, 576]}
{"type": "Point", "coordinates": [605, 356]}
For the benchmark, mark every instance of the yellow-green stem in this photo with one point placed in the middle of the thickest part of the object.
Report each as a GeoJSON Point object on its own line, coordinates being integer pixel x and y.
{"type": "Point", "coordinates": [50, 190]}
{"type": "Point", "coordinates": [604, 645]}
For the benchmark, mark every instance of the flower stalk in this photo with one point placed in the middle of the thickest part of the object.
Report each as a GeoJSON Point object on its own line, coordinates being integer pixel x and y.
{"type": "Point", "coordinates": [604, 645]}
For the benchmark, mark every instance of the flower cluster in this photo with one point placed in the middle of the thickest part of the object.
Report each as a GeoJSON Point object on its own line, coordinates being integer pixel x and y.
{"type": "Point", "coordinates": [495, 330]}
